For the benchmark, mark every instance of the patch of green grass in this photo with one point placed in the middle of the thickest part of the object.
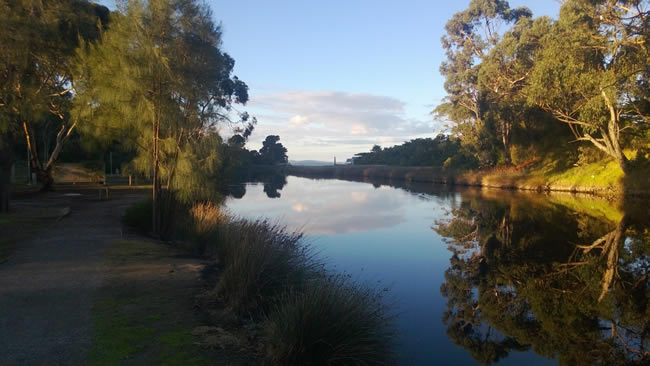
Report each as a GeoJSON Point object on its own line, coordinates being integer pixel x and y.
{"type": "Point", "coordinates": [178, 349]}
{"type": "Point", "coordinates": [117, 340]}
{"type": "Point", "coordinates": [601, 174]}
{"type": "Point", "coordinates": [143, 321]}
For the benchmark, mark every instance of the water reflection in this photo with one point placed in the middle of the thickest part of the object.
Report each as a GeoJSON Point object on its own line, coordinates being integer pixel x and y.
{"type": "Point", "coordinates": [517, 278]}
{"type": "Point", "coordinates": [333, 210]}
{"type": "Point", "coordinates": [272, 181]}
{"type": "Point", "coordinates": [274, 184]}
{"type": "Point", "coordinates": [570, 285]}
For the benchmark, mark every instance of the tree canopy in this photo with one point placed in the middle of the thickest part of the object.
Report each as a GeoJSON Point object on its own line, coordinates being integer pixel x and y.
{"type": "Point", "coordinates": [37, 83]}
{"type": "Point", "coordinates": [163, 98]}
{"type": "Point", "coordinates": [507, 72]}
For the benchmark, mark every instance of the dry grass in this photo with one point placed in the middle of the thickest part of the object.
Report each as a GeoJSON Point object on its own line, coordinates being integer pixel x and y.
{"type": "Point", "coordinates": [206, 216]}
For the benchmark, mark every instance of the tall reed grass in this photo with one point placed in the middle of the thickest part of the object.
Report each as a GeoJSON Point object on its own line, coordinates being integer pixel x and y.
{"type": "Point", "coordinates": [260, 261]}
{"type": "Point", "coordinates": [330, 322]}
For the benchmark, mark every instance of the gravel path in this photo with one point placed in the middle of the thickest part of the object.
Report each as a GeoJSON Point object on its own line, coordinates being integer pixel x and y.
{"type": "Point", "coordinates": [47, 286]}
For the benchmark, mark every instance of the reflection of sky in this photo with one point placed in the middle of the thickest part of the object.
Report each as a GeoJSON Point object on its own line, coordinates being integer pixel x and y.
{"type": "Point", "coordinates": [377, 234]}
{"type": "Point", "coordinates": [325, 207]}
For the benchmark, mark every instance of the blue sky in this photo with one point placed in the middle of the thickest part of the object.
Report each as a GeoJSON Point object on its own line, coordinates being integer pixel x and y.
{"type": "Point", "coordinates": [335, 77]}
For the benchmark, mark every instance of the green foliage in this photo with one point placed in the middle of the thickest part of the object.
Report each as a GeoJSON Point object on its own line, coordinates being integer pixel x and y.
{"type": "Point", "coordinates": [479, 102]}
{"type": "Point", "coordinates": [507, 73]}
{"type": "Point", "coordinates": [37, 47]}
{"type": "Point", "coordinates": [418, 152]}
{"type": "Point", "coordinates": [272, 152]}
{"type": "Point", "coordinates": [331, 321]}
{"type": "Point", "coordinates": [162, 99]}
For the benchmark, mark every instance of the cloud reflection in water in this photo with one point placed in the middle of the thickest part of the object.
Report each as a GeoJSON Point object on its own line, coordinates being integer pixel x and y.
{"type": "Point", "coordinates": [325, 208]}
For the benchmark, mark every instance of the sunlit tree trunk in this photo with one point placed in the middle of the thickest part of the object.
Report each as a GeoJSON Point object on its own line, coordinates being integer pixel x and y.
{"type": "Point", "coordinates": [44, 170]}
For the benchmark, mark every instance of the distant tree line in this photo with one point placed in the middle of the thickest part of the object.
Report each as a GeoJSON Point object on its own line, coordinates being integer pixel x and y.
{"type": "Point", "coordinates": [442, 150]}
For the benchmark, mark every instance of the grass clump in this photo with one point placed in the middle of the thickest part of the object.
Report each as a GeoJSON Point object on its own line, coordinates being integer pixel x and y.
{"type": "Point", "coordinates": [330, 322]}
{"type": "Point", "coordinates": [260, 260]}
{"type": "Point", "coordinates": [203, 219]}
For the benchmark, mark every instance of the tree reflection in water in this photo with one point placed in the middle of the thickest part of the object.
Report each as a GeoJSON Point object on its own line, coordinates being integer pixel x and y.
{"type": "Point", "coordinates": [273, 184]}
{"type": "Point", "coordinates": [538, 275]}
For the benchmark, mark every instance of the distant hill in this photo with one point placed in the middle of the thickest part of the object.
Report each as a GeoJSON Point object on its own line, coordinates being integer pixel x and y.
{"type": "Point", "coordinates": [310, 162]}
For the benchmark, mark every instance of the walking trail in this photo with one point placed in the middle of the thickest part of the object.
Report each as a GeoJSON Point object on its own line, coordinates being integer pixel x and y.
{"type": "Point", "coordinates": [47, 285]}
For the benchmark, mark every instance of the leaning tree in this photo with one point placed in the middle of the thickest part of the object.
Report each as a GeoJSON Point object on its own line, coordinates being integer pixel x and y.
{"type": "Point", "coordinates": [592, 72]}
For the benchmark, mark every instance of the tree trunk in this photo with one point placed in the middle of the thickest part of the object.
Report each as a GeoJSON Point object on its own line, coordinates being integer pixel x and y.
{"type": "Point", "coordinates": [44, 172]}
{"type": "Point", "coordinates": [611, 137]}
{"type": "Point", "coordinates": [6, 163]}
{"type": "Point", "coordinates": [505, 137]}
{"type": "Point", "coordinates": [46, 179]}
{"type": "Point", "coordinates": [155, 186]}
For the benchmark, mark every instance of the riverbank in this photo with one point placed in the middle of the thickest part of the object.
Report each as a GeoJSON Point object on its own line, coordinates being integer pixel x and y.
{"type": "Point", "coordinates": [602, 179]}
{"type": "Point", "coordinates": [267, 293]}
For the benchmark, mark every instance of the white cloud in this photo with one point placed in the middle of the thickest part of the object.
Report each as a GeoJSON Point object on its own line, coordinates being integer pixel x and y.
{"type": "Point", "coordinates": [358, 129]}
{"type": "Point", "coordinates": [299, 120]}
{"type": "Point", "coordinates": [322, 124]}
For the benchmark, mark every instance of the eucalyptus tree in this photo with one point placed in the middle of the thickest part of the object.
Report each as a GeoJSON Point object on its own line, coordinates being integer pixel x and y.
{"type": "Point", "coordinates": [592, 72]}
{"type": "Point", "coordinates": [160, 83]}
{"type": "Point", "coordinates": [37, 43]}
{"type": "Point", "coordinates": [504, 74]}
{"type": "Point", "coordinates": [471, 35]}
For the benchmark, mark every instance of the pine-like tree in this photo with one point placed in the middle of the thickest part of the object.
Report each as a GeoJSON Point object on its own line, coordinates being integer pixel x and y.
{"type": "Point", "coordinates": [159, 83]}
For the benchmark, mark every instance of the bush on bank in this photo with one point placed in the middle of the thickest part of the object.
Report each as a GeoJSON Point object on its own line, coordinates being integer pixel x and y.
{"type": "Point", "coordinates": [330, 322]}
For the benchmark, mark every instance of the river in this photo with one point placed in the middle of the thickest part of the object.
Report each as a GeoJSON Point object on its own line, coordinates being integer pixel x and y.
{"type": "Point", "coordinates": [472, 276]}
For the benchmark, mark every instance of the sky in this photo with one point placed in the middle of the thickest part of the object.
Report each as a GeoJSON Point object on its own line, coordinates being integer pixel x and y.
{"type": "Point", "coordinates": [333, 78]}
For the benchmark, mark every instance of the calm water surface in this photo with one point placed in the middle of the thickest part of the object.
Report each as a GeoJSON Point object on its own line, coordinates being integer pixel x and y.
{"type": "Point", "coordinates": [473, 277]}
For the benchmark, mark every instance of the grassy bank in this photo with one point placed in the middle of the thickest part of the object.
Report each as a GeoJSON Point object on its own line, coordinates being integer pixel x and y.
{"type": "Point", "coordinates": [602, 178]}
{"type": "Point", "coordinates": [273, 296]}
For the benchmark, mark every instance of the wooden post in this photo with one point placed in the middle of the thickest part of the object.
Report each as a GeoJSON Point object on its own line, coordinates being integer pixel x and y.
{"type": "Point", "coordinates": [129, 180]}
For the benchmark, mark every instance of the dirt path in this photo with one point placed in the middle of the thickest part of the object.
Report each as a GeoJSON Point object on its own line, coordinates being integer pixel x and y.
{"type": "Point", "coordinates": [48, 284]}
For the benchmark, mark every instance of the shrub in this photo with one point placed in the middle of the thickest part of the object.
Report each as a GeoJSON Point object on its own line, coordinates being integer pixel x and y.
{"type": "Point", "coordinates": [261, 260]}
{"type": "Point", "coordinates": [461, 161]}
{"type": "Point", "coordinates": [330, 322]}
{"type": "Point", "coordinates": [138, 215]}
